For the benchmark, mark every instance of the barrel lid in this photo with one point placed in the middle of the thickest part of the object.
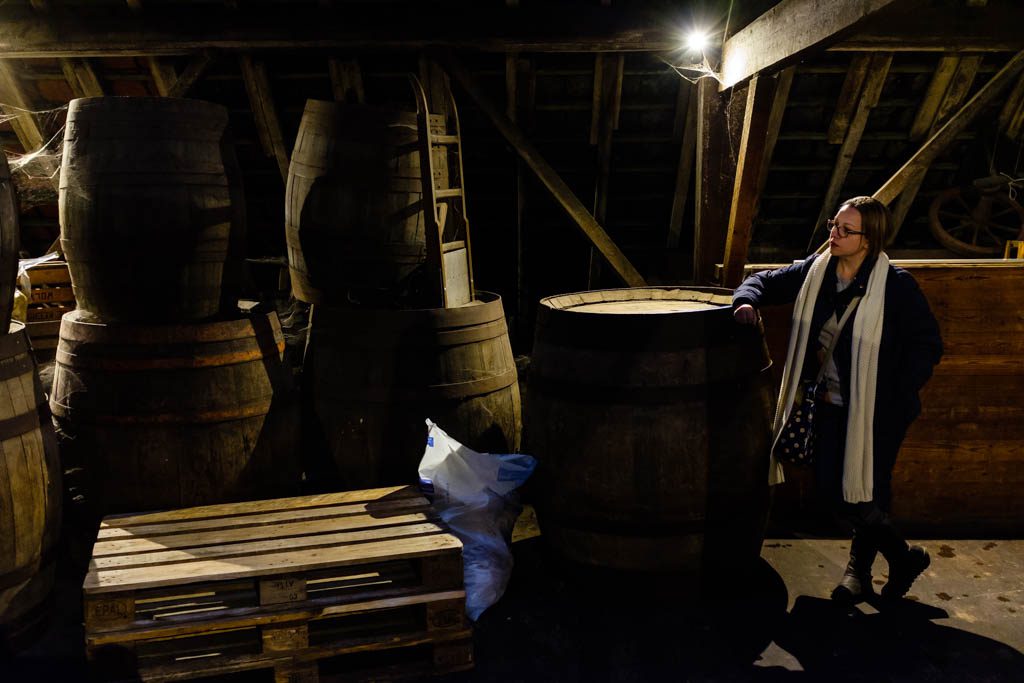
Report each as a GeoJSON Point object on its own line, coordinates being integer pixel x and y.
{"type": "Point", "coordinates": [641, 300]}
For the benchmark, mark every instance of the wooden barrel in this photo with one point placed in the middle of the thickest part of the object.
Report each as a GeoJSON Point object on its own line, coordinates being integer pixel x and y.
{"type": "Point", "coordinates": [649, 414]}
{"type": "Point", "coordinates": [353, 206]}
{"type": "Point", "coordinates": [374, 376]}
{"type": "Point", "coordinates": [30, 493]}
{"type": "Point", "coordinates": [170, 416]}
{"type": "Point", "coordinates": [10, 239]}
{"type": "Point", "coordinates": [150, 208]}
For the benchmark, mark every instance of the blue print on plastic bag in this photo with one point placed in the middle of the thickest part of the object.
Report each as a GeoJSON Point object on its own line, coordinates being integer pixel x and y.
{"type": "Point", "coordinates": [516, 468]}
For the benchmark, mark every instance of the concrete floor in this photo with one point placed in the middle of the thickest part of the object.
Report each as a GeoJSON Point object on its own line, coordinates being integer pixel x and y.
{"type": "Point", "coordinates": [962, 621]}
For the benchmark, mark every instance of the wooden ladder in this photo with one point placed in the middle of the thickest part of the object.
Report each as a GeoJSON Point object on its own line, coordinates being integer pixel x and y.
{"type": "Point", "coordinates": [449, 250]}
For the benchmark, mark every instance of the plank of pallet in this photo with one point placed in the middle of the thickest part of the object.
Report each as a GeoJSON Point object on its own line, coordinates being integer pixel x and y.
{"type": "Point", "coordinates": [248, 618]}
{"type": "Point", "coordinates": [379, 495]}
{"type": "Point", "coordinates": [81, 77]}
{"type": "Point", "coordinates": [226, 524]}
{"type": "Point", "coordinates": [314, 536]}
{"type": "Point", "coordinates": [146, 577]}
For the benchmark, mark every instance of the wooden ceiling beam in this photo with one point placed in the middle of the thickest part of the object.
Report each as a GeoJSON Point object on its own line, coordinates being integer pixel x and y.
{"type": "Point", "coordinates": [959, 85]}
{"type": "Point", "coordinates": [81, 77]}
{"type": "Point", "coordinates": [160, 31]}
{"type": "Point", "coordinates": [878, 70]}
{"type": "Point", "coordinates": [791, 29]}
{"type": "Point", "coordinates": [948, 132]}
{"type": "Point", "coordinates": [936, 27]}
{"type": "Point", "coordinates": [257, 85]}
{"type": "Point", "coordinates": [848, 96]}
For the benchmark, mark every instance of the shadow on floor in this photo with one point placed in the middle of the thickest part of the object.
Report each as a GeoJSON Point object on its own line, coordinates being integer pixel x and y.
{"type": "Point", "coordinates": [552, 626]}
{"type": "Point", "coordinates": [899, 643]}
{"type": "Point", "coordinates": [556, 626]}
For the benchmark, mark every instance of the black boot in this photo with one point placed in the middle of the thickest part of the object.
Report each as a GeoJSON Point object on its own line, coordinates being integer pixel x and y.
{"type": "Point", "coordinates": [855, 586]}
{"type": "Point", "coordinates": [904, 569]}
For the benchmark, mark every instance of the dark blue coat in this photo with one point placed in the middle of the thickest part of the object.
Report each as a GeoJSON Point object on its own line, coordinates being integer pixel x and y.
{"type": "Point", "coordinates": [910, 347]}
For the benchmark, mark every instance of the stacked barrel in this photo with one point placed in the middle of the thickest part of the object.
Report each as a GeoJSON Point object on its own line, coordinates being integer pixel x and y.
{"type": "Point", "coordinates": [380, 358]}
{"type": "Point", "coordinates": [30, 473]}
{"type": "Point", "coordinates": [163, 391]}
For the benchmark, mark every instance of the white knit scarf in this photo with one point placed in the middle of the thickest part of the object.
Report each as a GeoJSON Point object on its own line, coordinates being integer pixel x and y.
{"type": "Point", "coordinates": [858, 462]}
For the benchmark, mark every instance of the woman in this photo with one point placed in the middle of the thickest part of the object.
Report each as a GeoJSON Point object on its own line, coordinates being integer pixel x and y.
{"type": "Point", "coordinates": [884, 356]}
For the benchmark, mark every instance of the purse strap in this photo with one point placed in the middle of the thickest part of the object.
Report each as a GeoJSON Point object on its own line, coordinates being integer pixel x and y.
{"type": "Point", "coordinates": [835, 338]}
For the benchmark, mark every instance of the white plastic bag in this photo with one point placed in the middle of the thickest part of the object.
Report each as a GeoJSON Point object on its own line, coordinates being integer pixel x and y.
{"type": "Point", "coordinates": [474, 494]}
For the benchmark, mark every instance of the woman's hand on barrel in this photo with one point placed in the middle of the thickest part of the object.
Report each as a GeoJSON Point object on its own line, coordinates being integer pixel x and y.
{"type": "Point", "coordinates": [745, 314]}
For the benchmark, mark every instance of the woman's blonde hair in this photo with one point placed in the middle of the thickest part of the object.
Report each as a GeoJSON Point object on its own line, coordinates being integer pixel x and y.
{"type": "Point", "coordinates": [875, 221]}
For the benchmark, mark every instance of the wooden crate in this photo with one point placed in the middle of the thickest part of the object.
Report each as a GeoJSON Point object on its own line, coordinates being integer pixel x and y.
{"type": "Point", "coordinates": [362, 582]}
{"type": "Point", "coordinates": [51, 297]}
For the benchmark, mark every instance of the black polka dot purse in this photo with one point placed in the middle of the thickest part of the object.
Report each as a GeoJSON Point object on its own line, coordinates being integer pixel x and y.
{"type": "Point", "coordinates": [795, 443]}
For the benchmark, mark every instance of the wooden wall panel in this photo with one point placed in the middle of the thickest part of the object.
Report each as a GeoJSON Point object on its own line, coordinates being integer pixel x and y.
{"type": "Point", "coordinates": [961, 468]}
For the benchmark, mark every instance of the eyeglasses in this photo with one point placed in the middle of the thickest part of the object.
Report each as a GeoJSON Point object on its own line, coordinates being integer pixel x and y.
{"type": "Point", "coordinates": [842, 230]}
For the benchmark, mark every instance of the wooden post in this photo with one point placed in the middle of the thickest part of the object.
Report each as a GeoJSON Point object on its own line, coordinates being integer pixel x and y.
{"type": "Point", "coordinates": [716, 169]}
{"type": "Point", "coordinates": [607, 100]}
{"type": "Point", "coordinates": [687, 112]}
{"type": "Point", "coordinates": [756, 116]}
{"type": "Point", "coordinates": [546, 174]}
{"type": "Point", "coordinates": [257, 85]}
{"type": "Point", "coordinates": [346, 80]}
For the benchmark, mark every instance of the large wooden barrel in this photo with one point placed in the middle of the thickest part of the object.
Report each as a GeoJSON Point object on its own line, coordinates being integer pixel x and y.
{"type": "Point", "coordinates": [169, 416]}
{"type": "Point", "coordinates": [151, 207]}
{"type": "Point", "coordinates": [30, 493]}
{"type": "Point", "coordinates": [353, 206]}
{"type": "Point", "coordinates": [649, 414]}
{"type": "Point", "coordinates": [374, 376]}
{"type": "Point", "coordinates": [10, 239]}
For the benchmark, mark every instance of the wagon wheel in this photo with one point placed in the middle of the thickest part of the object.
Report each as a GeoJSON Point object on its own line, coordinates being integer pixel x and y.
{"type": "Point", "coordinates": [975, 223]}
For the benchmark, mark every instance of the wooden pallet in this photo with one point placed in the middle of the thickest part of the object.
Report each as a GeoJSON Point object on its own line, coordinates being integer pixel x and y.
{"type": "Point", "coordinates": [361, 581]}
{"type": "Point", "coordinates": [51, 297]}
